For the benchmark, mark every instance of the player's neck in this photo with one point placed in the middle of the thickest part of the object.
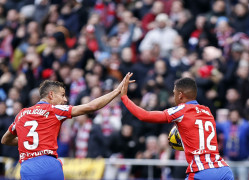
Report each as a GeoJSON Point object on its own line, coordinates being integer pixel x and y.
{"type": "Point", "coordinates": [44, 100]}
{"type": "Point", "coordinates": [187, 100]}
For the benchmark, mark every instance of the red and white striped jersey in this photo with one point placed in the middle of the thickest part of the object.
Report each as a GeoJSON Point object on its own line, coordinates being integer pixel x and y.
{"type": "Point", "coordinates": [197, 128]}
{"type": "Point", "coordinates": [37, 128]}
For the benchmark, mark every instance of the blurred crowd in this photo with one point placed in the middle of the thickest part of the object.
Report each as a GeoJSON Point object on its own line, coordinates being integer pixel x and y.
{"type": "Point", "coordinates": [90, 45]}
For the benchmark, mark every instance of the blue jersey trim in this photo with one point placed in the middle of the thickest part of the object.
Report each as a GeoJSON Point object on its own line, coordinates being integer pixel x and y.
{"type": "Point", "coordinates": [192, 102]}
{"type": "Point", "coordinates": [42, 102]}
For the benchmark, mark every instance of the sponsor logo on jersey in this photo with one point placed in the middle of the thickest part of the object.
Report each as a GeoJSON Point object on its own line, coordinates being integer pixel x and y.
{"type": "Point", "coordinates": [199, 151]}
{"type": "Point", "coordinates": [28, 155]}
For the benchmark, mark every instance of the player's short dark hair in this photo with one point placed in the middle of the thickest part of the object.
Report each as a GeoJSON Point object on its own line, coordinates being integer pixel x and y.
{"type": "Point", "coordinates": [187, 86]}
{"type": "Point", "coordinates": [49, 85]}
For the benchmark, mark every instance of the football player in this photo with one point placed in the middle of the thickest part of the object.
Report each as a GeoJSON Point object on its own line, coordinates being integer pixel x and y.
{"type": "Point", "coordinates": [196, 126]}
{"type": "Point", "coordinates": [36, 128]}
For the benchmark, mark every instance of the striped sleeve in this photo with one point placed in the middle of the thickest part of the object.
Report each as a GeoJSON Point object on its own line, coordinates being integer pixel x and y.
{"type": "Point", "coordinates": [175, 114]}
{"type": "Point", "coordinates": [62, 112]}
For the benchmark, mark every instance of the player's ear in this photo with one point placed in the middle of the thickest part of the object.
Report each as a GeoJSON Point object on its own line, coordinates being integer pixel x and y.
{"type": "Point", "coordinates": [180, 95]}
{"type": "Point", "coordinates": [50, 95]}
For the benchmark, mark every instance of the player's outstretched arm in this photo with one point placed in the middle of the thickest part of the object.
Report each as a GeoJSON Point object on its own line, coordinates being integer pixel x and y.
{"type": "Point", "coordinates": [9, 139]}
{"type": "Point", "coordinates": [140, 113]}
{"type": "Point", "coordinates": [98, 103]}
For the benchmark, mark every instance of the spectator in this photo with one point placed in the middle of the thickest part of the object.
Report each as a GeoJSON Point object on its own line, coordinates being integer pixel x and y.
{"type": "Point", "coordinates": [85, 52]}
{"type": "Point", "coordinates": [164, 148]}
{"type": "Point", "coordinates": [231, 66]}
{"type": "Point", "coordinates": [34, 96]}
{"type": "Point", "coordinates": [73, 58]}
{"type": "Point", "coordinates": [162, 76]}
{"type": "Point", "coordinates": [123, 144]}
{"type": "Point", "coordinates": [142, 7]}
{"type": "Point", "coordinates": [64, 75]}
{"type": "Point", "coordinates": [82, 13]}
{"type": "Point", "coordinates": [4, 122]}
{"type": "Point", "coordinates": [49, 29]}
{"type": "Point", "coordinates": [113, 43]}
{"type": "Point", "coordinates": [163, 35]}
{"type": "Point", "coordinates": [51, 16]}
{"type": "Point", "coordinates": [177, 7]}
{"type": "Point", "coordinates": [69, 19]}
{"type": "Point", "coordinates": [218, 10]}
{"type": "Point", "coordinates": [126, 61]}
{"type": "Point", "coordinates": [235, 141]}
{"type": "Point", "coordinates": [196, 33]}
{"type": "Point", "coordinates": [175, 62]}
{"type": "Point", "coordinates": [6, 78]}
{"type": "Point", "coordinates": [41, 9]}
{"type": "Point", "coordinates": [64, 139]}
{"type": "Point", "coordinates": [6, 36]}
{"type": "Point", "coordinates": [150, 102]}
{"type": "Point", "coordinates": [109, 118]}
{"type": "Point", "coordinates": [240, 18]}
{"type": "Point", "coordinates": [151, 152]}
{"type": "Point", "coordinates": [87, 137]}
{"type": "Point", "coordinates": [233, 99]}
{"type": "Point", "coordinates": [78, 84]}
{"type": "Point", "coordinates": [185, 24]}
{"type": "Point", "coordinates": [165, 153]}
{"type": "Point", "coordinates": [2, 16]}
{"type": "Point", "coordinates": [9, 151]}
{"type": "Point", "coordinates": [92, 80]}
{"type": "Point", "coordinates": [243, 81]}
{"type": "Point", "coordinates": [13, 95]}
{"type": "Point", "coordinates": [12, 19]}
{"type": "Point", "coordinates": [128, 19]}
{"type": "Point", "coordinates": [198, 7]}
{"type": "Point", "coordinates": [143, 67]}
{"type": "Point", "coordinates": [223, 32]}
{"type": "Point", "coordinates": [148, 20]}
{"type": "Point", "coordinates": [178, 172]}
{"type": "Point", "coordinates": [106, 12]}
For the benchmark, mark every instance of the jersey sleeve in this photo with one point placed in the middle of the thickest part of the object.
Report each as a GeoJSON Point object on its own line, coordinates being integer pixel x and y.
{"type": "Point", "coordinates": [12, 127]}
{"type": "Point", "coordinates": [174, 114]}
{"type": "Point", "coordinates": [143, 115]}
{"type": "Point", "coordinates": [62, 112]}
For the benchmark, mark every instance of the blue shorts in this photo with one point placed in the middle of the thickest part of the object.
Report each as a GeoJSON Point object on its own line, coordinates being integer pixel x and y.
{"type": "Point", "coordinates": [222, 173]}
{"type": "Point", "coordinates": [42, 167]}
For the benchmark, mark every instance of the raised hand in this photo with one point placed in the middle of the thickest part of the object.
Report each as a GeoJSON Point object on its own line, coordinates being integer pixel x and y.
{"type": "Point", "coordinates": [126, 83]}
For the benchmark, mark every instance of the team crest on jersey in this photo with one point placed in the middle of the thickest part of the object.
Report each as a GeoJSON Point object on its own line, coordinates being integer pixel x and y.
{"type": "Point", "coordinates": [173, 110]}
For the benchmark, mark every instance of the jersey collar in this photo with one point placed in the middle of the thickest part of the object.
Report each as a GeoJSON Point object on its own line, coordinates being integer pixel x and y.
{"type": "Point", "coordinates": [192, 102]}
{"type": "Point", "coordinates": [42, 102]}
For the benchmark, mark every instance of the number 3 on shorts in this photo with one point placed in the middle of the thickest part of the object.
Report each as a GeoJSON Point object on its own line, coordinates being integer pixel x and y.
{"type": "Point", "coordinates": [33, 134]}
